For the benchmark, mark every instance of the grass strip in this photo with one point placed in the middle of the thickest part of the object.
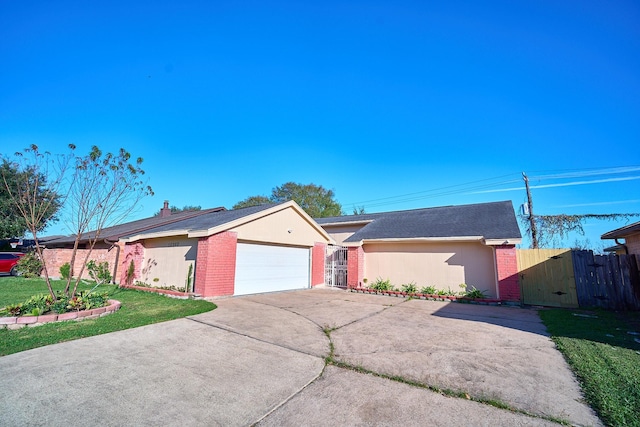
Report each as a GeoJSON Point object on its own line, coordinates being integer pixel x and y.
{"type": "Point", "coordinates": [138, 309]}
{"type": "Point", "coordinates": [601, 349]}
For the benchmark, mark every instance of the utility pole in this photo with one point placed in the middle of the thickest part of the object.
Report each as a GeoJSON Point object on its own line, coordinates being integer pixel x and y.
{"type": "Point", "coordinates": [532, 222]}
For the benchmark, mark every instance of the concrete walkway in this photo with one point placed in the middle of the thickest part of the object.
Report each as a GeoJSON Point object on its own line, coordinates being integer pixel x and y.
{"type": "Point", "coordinates": [260, 359]}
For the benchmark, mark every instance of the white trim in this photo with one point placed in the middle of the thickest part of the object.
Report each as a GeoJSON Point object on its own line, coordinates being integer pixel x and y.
{"type": "Point", "coordinates": [500, 242]}
{"type": "Point", "coordinates": [156, 235]}
{"type": "Point", "coordinates": [425, 239]}
{"type": "Point", "coordinates": [367, 221]}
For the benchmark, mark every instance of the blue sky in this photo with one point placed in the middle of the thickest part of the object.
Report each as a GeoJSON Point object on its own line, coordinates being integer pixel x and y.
{"type": "Point", "coordinates": [392, 104]}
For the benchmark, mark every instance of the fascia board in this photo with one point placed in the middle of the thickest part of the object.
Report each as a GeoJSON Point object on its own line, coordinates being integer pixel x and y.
{"type": "Point", "coordinates": [425, 239]}
{"type": "Point", "coordinates": [500, 242]}
{"type": "Point", "coordinates": [169, 233]}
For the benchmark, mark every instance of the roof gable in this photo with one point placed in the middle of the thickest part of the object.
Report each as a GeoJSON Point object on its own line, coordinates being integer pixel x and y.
{"type": "Point", "coordinates": [217, 222]}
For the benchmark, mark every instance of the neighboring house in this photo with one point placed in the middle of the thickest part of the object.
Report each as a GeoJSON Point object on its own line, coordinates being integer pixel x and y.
{"type": "Point", "coordinates": [631, 235]}
{"type": "Point", "coordinates": [442, 247]}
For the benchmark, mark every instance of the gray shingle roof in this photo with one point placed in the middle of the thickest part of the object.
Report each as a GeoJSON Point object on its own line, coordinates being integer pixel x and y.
{"type": "Point", "coordinates": [496, 220]}
{"type": "Point", "coordinates": [134, 227]}
{"type": "Point", "coordinates": [209, 220]}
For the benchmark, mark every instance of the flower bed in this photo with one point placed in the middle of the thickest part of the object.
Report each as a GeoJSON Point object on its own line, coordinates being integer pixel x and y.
{"type": "Point", "coordinates": [453, 298]}
{"type": "Point", "coordinates": [21, 321]}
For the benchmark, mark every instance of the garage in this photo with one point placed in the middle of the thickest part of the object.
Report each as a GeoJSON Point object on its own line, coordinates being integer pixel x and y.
{"type": "Point", "coordinates": [270, 268]}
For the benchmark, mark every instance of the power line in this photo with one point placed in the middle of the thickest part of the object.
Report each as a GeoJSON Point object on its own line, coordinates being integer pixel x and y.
{"type": "Point", "coordinates": [477, 186]}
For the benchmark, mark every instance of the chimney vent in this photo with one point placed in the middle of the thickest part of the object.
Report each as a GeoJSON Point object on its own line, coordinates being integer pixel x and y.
{"type": "Point", "coordinates": [165, 211]}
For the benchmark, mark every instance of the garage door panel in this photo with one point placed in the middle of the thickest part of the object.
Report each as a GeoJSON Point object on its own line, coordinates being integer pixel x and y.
{"type": "Point", "coordinates": [264, 268]}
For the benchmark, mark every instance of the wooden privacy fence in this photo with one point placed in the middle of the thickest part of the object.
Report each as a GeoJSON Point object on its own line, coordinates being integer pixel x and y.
{"type": "Point", "coordinates": [566, 278]}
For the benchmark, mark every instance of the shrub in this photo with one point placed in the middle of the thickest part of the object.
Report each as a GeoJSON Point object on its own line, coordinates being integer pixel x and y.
{"type": "Point", "coordinates": [409, 288]}
{"type": "Point", "coordinates": [382, 285]}
{"type": "Point", "coordinates": [65, 270]}
{"type": "Point", "coordinates": [428, 290]}
{"type": "Point", "coordinates": [29, 265]}
{"type": "Point", "coordinates": [475, 293]}
{"type": "Point", "coordinates": [99, 272]}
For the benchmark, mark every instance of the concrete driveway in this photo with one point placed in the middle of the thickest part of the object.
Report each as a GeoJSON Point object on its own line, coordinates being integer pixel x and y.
{"type": "Point", "coordinates": [261, 360]}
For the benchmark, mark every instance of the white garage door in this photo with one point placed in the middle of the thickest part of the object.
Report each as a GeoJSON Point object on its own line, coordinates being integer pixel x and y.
{"type": "Point", "coordinates": [263, 268]}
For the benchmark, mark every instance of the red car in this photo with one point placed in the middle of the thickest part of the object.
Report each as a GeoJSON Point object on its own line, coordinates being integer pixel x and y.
{"type": "Point", "coordinates": [8, 261]}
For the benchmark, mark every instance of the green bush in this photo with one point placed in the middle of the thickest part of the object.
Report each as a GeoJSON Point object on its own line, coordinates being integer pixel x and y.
{"type": "Point", "coordinates": [409, 288]}
{"type": "Point", "coordinates": [428, 290]}
{"type": "Point", "coordinates": [475, 293]}
{"type": "Point", "coordinates": [29, 265]}
{"type": "Point", "coordinates": [65, 271]}
{"type": "Point", "coordinates": [382, 285]}
{"type": "Point", "coordinates": [99, 272]}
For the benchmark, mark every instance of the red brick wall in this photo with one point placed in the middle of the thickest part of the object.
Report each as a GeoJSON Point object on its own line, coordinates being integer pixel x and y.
{"type": "Point", "coordinates": [55, 258]}
{"type": "Point", "coordinates": [216, 264]}
{"type": "Point", "coordinates": [355, 266]}
{"type": "Point", "coordinates": [131, 252]}
{"type": "Point", "coordinates": [317, 263]}
{"type": "Point", "coordinates": [507, 270]}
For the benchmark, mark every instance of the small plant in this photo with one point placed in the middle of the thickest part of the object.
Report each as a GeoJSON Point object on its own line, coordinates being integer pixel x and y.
{"type": "Point", "coordinates": [428, 290]}
{"type": "Point", "coordinates": [188, 286]}
{"type": "Point", "coordinates": [131, 271]}
{"type": "Point", "coordinates": [382, 285]}
{"type": "Point", "coordinates": [475, 293]}
{"type": "Point", "coordinates": [99, 272]}
{"type": "Point", "coordinates": [409, 288]}
{"type": "Point", "coordinates": [29, 265]}
{"type": "Point", "coordinates": [65, 271]}
{"type": "Point", "coordinates": [365, 280]}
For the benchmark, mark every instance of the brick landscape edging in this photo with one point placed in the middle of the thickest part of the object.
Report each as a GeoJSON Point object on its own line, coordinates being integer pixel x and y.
{"type": "Point", "coordinates": [452, 298]}
{"type": "Point", "coordinates": [19, 322]}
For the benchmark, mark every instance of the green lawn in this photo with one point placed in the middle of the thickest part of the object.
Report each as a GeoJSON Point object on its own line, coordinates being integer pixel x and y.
{"type": "Point", "coordinates": [604, 356]}
{"type": "Point", "coordinates": [138, 309]}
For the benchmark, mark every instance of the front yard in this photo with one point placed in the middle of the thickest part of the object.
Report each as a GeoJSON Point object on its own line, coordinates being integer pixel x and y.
{"type": "Point", "coordinates": [138, 309]}
{"type": "Point", "coordinates": [603, 349]}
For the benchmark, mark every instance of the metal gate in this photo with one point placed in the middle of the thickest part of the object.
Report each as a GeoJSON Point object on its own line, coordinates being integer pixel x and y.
{"type": "Point", "coordinates": [335, 266]}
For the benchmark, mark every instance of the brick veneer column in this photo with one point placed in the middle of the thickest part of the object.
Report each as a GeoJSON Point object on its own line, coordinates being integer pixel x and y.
{"type": "Point", "coordinates": [216, 264]}
{"type": "Point", "coordinates": [507, 271]}
{"type": "Point", "coordinates": [317, 263]}
{"type": "Point", "coordinates": [355, 266]}
{"type": "Point", "coordinates": [132, 252]}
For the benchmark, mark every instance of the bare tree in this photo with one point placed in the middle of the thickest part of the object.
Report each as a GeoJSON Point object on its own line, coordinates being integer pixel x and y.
{"type": "Point", "coordinates": [106, 188]}
{"type": "Point", "coordinates": [98, 190]}
{"type": "Point", "coordinates": [38, 189]}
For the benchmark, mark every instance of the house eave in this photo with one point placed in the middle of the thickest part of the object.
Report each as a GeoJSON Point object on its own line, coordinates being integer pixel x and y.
{"type": "Point", "coordinates": [500, 242]}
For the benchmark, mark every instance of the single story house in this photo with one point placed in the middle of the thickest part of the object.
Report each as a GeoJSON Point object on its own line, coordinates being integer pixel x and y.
{"type": "Point", "coordinates": [631, 235]}
{"type": "Point", "coordinates": [279, 247]}
{"type": "Point", "coordinates": [441, 247]}
{"type": "Point", "coordinates": [222, 252]}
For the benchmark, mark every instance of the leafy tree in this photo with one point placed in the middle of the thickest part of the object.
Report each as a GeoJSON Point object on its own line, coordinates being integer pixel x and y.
{"type": "Point", "coordinates": [12, 182]}
{"type": "Point", "coordinates": [317, 201]}
{"type": "Point", "coordinates": [252, 201]}
{"type": "Point", "coordinates": [187, 208]}
{"type": "Point", "coordinates": [359, 210]}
